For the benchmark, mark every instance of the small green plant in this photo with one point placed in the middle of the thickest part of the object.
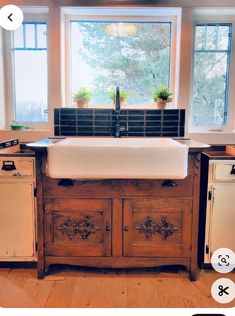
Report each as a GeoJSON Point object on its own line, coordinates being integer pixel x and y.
{"type": "Point", "coordinates": [161, 93]}
{"type": "Point", "coordinates": [82, 93]}
{"type": "Point", "coordinates": [123, 94]}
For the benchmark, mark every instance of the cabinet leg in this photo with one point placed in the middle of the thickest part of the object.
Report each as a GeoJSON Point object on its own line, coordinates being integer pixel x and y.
{"type": "Point", "coordinates": [41, 275]}
{"type": "Point", "coordinates": [193, 274]}
{"type": "Point", "coordinates": [41, 271]}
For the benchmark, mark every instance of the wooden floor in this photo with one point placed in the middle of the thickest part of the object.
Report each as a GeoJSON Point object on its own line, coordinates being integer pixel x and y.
{"type": "Point", "coordinates": [80, 287]}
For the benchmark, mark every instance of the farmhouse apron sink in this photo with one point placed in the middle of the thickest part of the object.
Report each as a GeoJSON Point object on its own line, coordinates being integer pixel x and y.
{"type": "Point", "coordinates": [118, 158]}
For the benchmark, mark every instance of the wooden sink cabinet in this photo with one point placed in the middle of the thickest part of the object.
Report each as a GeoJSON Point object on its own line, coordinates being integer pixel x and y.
{"type": "Point", "coordinates": [118, 223]}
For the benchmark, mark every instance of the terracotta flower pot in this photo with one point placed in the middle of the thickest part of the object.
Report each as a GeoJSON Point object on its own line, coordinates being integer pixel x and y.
{"type": "Point", "coordinates": [82, 103]}
{"type": "Point", "coordinates": [161, 104]}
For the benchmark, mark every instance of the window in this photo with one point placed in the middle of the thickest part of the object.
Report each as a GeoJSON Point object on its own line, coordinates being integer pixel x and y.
{"type": "Point", "coordinates": [212, 50]}
{"type": "Point", "coordinates": [135, 55]}
{"type": "Point", "coordinates": [30, 73]}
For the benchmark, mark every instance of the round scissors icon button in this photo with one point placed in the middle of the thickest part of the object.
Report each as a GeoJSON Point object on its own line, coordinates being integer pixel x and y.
{"type": "Point", "coordinates": [223, 291]}
{"type": "Point", "coordinates": [223, 260]}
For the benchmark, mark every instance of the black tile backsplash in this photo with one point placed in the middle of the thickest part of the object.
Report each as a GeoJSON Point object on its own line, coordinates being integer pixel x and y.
{"type": "Point", "coordinates": [101, 122]}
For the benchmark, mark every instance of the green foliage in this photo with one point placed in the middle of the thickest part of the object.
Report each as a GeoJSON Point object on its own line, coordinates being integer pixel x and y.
{"type": "Point", "coordinates": [161, 93]}
{"type": "Point", "coordinates": [210, 76]}
{"type": "Point", "coordinates": [82, 93]}
{"type": "Point", "coordinates": [138, 62]}
{"type": "Point", "coordinates": [123, 94]}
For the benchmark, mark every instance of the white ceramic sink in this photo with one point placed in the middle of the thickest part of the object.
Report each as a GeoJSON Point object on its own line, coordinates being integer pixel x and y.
{"type": "Point", "coordinates": [118, 158]}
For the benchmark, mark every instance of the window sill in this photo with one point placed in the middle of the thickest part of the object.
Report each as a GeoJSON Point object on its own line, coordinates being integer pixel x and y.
{"type": "Point", "coordinates": [27, 135]}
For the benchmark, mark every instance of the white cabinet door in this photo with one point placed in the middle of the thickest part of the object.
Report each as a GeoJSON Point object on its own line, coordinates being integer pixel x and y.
{"type": "Point", "coordinates": [222, 231]}
{"type": "Point", "coordinates": [16, 220]}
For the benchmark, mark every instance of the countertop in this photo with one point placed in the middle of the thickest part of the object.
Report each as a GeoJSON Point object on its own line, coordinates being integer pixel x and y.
{"type": "Point", "coordinates": [41, 145]}
{"type": "Point", "coordinates": [219, 155]}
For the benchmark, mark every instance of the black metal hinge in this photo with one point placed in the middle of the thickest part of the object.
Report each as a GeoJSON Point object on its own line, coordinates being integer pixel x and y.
{"type": "Point", "coordinates": [209, 195]}
{"type": "Point", "coordinates": [207, 249]}
{"type": "Point", "coordinates": [35, 192]}
{"type": "Point", "coordinates": [36, 246]}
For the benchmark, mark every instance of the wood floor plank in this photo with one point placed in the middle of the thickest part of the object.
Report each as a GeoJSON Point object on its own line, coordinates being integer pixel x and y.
{"type": "Point", "coordinates": [4, 272]}
{"type": "Point", "coordinates": [61, 293]}
{"type": "Point", "coordinates": [114, 288]}
{"type": "Point", "coordinates": [12, 296]}
{"type": "Point", "coordinates": [168, 291]}
{"type": "Point", "coordinates": [38, 290]}
{"type": "Point", "coordinates": [18, 276]}
{"type": "Point", "coordinates": [100, 292]}
{"type": "Point", "coordinates": [142, 293]}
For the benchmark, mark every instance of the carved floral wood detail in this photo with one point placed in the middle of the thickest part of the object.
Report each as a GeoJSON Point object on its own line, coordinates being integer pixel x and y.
{"type": "Point", "coordinates": [164, 229]}
{"type": "Point", "coordinates": [77, 228]}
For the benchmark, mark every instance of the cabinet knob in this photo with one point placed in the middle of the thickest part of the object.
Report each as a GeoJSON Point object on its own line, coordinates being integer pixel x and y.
{"type": "Point", "coordinates": [126, 228]}
{"type": "Point", "coordinates": [108, 228]}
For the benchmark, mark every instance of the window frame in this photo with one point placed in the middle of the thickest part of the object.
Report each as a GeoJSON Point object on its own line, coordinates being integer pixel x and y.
{"type": "Point", "coordinates": [67, 99]}
{"type": "Point", "coordinates": [229, 126]}
{"type": "Point", "coordinates": [10, 80]}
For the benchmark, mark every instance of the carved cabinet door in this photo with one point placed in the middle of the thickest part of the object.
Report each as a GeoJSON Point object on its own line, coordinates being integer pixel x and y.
{"type": "Point", "coordinates": [157, 227]}
{"type": "Point", "coordinates": [77, 227]}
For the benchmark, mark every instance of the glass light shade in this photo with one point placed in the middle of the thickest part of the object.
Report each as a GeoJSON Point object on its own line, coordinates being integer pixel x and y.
{"type": "Point", "coordinates": [121, 29]}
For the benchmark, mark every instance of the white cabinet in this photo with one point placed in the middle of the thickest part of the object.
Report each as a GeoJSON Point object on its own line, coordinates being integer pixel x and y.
{"type": "Point", "coordinates": [17, 210]}
{"type": "Point", "coordinates": [222, 218]}
{"type": "Point", "coordinates": [220, 211]}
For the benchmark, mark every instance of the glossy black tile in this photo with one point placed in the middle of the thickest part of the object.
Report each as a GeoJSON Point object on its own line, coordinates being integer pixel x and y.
{"type": "Point", "coordinates": [56, 116]}
{"type": "Point", "coordinates": [68, 111]}
{"type": "Point", "coordinates": [56, 130]}
{"type": "Point", "coordinates": [95, 122]}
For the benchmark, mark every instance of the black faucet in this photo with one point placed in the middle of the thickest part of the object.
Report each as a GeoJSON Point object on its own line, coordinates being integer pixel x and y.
{"type": "Point", "coordinates": [118, 128]}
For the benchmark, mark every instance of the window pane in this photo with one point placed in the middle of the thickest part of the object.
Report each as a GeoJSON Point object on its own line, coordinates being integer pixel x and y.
{"type": "Point", "coordinates": [135, 55]}
{"type": "Point", "coordinates": [30, 35]}
{"type": "Point", "coordinates": [223, 37]}
{"type": "Point", "coordinates": [210, 79]}
{"type": "Point", "coordinates": [42, 35]}
{"type": "Point", "coordinates": [18, 37]}
{"type": "Point", "coordinates": [30, 77]}
{"type": "Point", "coordinates": [200, 37]}
{"type": "Point", "coordinates": [30, 86]}
{"type": "Point", "coordinates": [211, 37]}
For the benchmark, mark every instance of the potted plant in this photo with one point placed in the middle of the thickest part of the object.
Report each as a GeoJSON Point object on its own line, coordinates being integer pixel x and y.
{"type": "Point", "coordinates": [161, 96]}
{"type": "Point", "coordinates": [82, 97]}
{"type": "Point", "coordinates": [123, 97]}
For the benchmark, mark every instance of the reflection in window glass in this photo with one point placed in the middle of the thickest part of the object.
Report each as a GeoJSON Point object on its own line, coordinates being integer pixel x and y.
{"type": "Point", "coordinates": [211, 75]}
{"type": "Point", "coordinates": [135, 55]}
{"type": "Point", "coordinates": [30, 73]}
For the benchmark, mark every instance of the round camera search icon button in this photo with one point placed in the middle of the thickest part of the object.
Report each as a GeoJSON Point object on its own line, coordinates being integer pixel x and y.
{"type": "Point", "coordinates": [223, 260]}
{"type": "Point", "coordinates": [11, 17]}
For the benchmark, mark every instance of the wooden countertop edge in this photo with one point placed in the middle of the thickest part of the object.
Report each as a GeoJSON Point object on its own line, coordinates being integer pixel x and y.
{"type": "Point", "coordinates": [18, 155]}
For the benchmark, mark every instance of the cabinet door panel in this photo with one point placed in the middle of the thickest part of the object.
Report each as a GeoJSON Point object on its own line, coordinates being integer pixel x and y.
{"type": "Point", "coordinates": [78, 227]}
{"type": "Point", "coordinates": [17, 220]}
{"type": "Point", "coordinates": [157, 227]}
{"type": "Point", "coordinates": [222, 218]}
